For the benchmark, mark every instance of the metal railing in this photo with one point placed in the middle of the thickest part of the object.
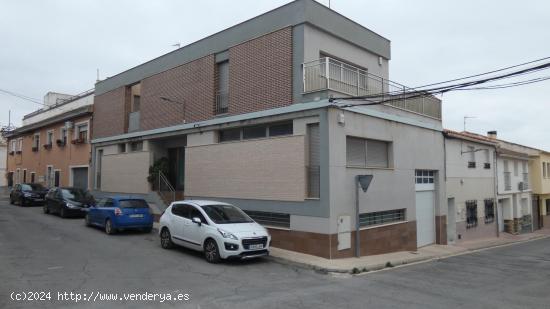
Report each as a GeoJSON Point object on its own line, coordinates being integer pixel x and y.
{"type": "Point", "coordinates": [165, 189]}
{"type": "Point", "coordinates": [331, 74]}
{"type": "Point", "coordinates": [222, 103]}
{"type": "Point", "coordinates": [507, 181]}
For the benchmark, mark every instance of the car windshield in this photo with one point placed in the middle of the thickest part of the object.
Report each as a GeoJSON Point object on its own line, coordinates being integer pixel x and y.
{"type": "Point", "coordinates": [226, 214]}
{"type": "Point", "coordinates": [76, 194]}
{"type": "Point", "coordinates": [133, 204]}
{"type": "Point", "coordinates": [31, 187]}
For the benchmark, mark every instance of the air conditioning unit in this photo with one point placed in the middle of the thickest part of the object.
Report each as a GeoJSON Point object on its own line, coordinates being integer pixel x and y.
{"type": "Point", "coordinates": [521, 186]}
{"type": "Point", "coordinates": [69, 125]}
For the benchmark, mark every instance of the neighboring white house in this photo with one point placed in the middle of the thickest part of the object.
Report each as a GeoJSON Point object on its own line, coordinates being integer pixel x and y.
{"type": "Point", "coordinates": [3, 162]}
{"type": "Point", "coordinates": [471, 190]}
{"type": "Point", "coordinates": [514, 191]}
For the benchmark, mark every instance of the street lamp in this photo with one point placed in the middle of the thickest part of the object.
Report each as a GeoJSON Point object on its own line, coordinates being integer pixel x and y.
{"type": "Point", "coordinates": [176, 102]}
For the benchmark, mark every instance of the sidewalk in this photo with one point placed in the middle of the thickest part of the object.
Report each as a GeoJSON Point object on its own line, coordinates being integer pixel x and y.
{"type": "Point", "coordinates": [377, 262]}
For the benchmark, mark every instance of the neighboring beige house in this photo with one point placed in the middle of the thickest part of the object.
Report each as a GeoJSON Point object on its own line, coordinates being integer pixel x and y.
{"type": "Point", "coordinates": [3, 162]}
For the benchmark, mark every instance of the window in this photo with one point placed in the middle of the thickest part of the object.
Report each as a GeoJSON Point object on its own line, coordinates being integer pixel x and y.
{"type": "Point", "coordinates": [36, 141]}
{"type": "Point", "coordinates": [24, 175]}
{"type": "Point", "coordinates": [381, 217]}
{"type": "Point", "coordinates": [362, 152]}
{"type": "Point", "coordinates": [136, 103]}
{"type": "Point", "coordinates": [222, 91]}
{"type": "Point", "coordinates": [230, 135]}
{"type": "Point", "coordinates": [489, 211]}
{"type": "Point", "coordinates": [524, 167]}
{"type": "Point", "coordinates": [314, 159]}
{"type": "Point", "coordinates": [82, 133]}
{"type": "Point", "coordinates": [280, 129]}
{"type": "Point", "coordinates": [472, 154]}
{"type": "Point", "coordinates": [136, 146]}
{"type": "Point", "coordinates": [20, 145]}
{"type": "Point", "coordinates": [516, 168]}
{"type": "Point", "coordinates": [254, 132]}
{"type": "Point", "coordinates": [487, 164]}
{"type": "Point", "coordinates": [544, 175]}
{"type": "Point", "coordinates": [273, 219]}
{"type": "Point", "coordinates": [471, 214]}
{"type": "Point", "coordinates": [49, 138]}
{"type": "Point", "coordinates": [122, 148]}
{"type": "Point", "coordinates": [548, 169]}
{"type": "Point", "coordinates": [181, 210]}
{"type": "Point", "coordinates": [195, 213]}
{"type": "Point", "coordinates": [33, 175]}
{"type": "Point", "coordinates": [14, 146]}
{"type": "Point", "coordinates": [424, 176]}
{"type": "Point", "coordinates": [63, 135]}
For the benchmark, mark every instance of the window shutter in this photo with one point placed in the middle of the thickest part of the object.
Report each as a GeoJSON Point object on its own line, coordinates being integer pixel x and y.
{"type": "Point", "coordinates": [377, 153]}
{"type": "Point", "coordinates": [356, 151]}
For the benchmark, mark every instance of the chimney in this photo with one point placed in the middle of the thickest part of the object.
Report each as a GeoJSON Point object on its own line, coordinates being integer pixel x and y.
{"type": "Point", "coordinates": [492, 134]}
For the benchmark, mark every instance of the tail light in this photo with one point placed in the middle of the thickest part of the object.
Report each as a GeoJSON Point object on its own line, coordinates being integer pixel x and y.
{"type": "Point", "coordinates": [118, 212]}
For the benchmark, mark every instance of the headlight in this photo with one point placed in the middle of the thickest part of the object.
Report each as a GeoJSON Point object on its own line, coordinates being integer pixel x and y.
{"type": "Point", "coordinates": [227, 234]}
{"type": "Point", "coordinates": [71, 205]}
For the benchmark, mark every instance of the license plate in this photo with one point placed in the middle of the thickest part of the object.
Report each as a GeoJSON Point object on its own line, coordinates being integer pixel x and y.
{"type": "Point", "coordinates": [258, 246]}
{"type": "Point", "coordinates": [136, 216]}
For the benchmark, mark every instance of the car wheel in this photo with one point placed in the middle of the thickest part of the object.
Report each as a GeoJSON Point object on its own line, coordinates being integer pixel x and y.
{"type": "Point", "coordinates": [109, 227]}
{"type": "Point", "coordinates": [166, 239]}
{"type": "Point", "coordinates": [211, 252]}
{"type": "Point", "coordinates": [87, 220]}
{"type": "Point", "coordinates": [46, 209]}
{"type": "Point", "coordinates": [62, 213]}
{"type": "Point", "coordinates": [11, 201]}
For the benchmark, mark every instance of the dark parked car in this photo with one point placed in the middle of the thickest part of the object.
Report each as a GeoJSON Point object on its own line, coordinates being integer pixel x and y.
{"type": "Point", "coordinates": [68, 202]}
{"type": "Point", "coordinates": [28, 194]}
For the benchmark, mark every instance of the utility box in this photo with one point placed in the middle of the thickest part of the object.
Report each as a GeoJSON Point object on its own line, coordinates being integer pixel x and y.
{"type": "Point", "coordinates": [344, 232]}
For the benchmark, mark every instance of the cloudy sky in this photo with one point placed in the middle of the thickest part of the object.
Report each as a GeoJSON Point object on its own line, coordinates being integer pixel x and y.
{"type": "Point", "coordinates": [58, 45]}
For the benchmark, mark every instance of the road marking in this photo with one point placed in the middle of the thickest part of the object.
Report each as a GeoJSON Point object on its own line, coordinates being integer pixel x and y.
{"type": "Point", "coordinates": [55, 267]}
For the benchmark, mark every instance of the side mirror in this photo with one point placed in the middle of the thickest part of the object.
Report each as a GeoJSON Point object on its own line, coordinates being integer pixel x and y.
{"type": "Point", "coordinates": [197, 220]}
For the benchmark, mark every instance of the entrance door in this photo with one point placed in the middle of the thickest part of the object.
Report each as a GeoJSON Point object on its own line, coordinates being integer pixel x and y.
{"type": "Point", "coordinates": [536, 213]}
{"type": "Point", "coordinates": [500, 215]}
{"type": "Point", "coordinates": [451, 220]}
{"type": "Point", "coordinates": [56, 178]}
{"type": "Point", "coordinates": [176, 167]}
{"type": "Point", "coordinates": [425, 218]}
{"type": "Point", "coordinates": [80, 177]}
{"type": "Point", "coordinates": [10, 179]}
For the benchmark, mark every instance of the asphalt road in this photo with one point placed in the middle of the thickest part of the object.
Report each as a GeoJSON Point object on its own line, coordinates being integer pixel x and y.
{"type": "Point", "coordinates": [41, 252]}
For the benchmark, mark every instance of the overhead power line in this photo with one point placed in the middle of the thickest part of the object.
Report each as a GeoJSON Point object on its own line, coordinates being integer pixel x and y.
{"type": "Point", "coordinates": [21, 96]}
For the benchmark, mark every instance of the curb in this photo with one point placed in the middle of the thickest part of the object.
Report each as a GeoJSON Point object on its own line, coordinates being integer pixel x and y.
{"type": "Point", "coordinates": [395, 264]}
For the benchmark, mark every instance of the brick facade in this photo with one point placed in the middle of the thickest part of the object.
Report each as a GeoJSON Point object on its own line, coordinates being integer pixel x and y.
{"type": "Point", "coordinates": [260, 73]}
{"type": "Point", "coordinates": [109, 113]}
{"type": "Point", "coordinates": [191, 83]}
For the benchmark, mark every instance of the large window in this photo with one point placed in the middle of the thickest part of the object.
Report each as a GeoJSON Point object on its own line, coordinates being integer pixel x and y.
{"type": "Point", "coordinates": [82, 133]}
{"type": "Point", "coordinates": [36, 141]}
{"type": "Point", "coordinates": [272, 219]}
{"type": "Point", "coordinates": [472, 157]}
{"type": "Point", "coordinates": [489, 211]}
{"type": "Point", "coordinates": [471, 214]}
{"type": "Point", "coordinates": [382, 217]}
{"type": "Point", "coordinates": [259, 131]}
{"type": "Point", "coordinates": [361, 152]}
{"type": "Point", "coordinates": [222, 90]}
{"type": "Point", "coordinates": [424, 176]}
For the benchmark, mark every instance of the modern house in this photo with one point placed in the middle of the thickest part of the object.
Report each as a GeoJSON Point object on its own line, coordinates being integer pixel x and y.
{"type": "Point", "coordinates": [52, 146]}
{"type": "Point", "coordinates": [539, 165]}
{"type": "Point", "coordinates": [470, 164]}
{"type": "Point", "coordinates": [243, 116]}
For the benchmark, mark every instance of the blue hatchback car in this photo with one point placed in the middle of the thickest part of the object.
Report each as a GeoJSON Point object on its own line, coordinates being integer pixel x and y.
{"type": "Point", "coordinates": [120, 213]}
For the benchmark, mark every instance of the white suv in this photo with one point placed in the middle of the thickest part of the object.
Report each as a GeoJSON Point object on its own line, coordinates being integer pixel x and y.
{"type": "Point", "coordinates": [218, 229]}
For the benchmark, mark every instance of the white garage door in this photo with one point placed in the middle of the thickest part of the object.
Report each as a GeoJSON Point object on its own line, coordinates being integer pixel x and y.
{"type": "Point", "coordinates": [425, 219]}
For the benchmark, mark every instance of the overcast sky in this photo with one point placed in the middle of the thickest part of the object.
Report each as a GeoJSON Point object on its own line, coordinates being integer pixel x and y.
{"type": "Point", "coordinates": [58, 45]}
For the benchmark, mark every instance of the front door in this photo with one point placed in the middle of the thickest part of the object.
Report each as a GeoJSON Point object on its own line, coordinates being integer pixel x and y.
{"type": "Point", "coordinates": [536, 213]}
{"type": "Point", "coordinates": [176, 167]}
{"type": "Point", "coordinates": [500, 215]}
{"type": "Point", "coordinates": [56, 178]}
{"type": "Point", "coordinates": [425, 218]}
{"type": "Point", "coordinates": [451, 220]}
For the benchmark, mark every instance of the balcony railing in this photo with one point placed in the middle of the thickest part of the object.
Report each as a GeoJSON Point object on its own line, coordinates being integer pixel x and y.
{"type": "Point", "coordinates": [525, 181]}
{"type": "Point", "coordinates": [507, 181]}
{"type": "Point", "coordinates": [222, 103]}
{"type": "Point", "coordinates": [331, 74]}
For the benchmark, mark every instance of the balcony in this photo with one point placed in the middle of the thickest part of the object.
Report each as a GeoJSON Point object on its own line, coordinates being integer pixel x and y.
{"type": "Point", "coordinates": [350, 80]}
{"type": "Point", "coordinates": [222, 103]}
